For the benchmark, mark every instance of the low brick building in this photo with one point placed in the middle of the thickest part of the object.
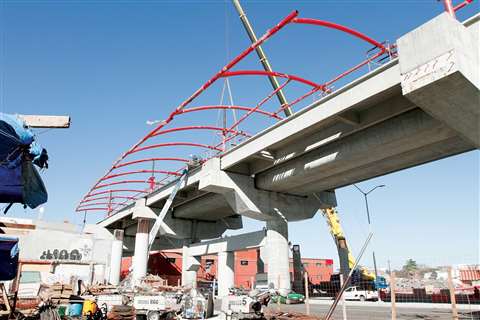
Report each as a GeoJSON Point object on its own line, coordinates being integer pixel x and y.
{"type": "Point", "coordinates": [168, 265]}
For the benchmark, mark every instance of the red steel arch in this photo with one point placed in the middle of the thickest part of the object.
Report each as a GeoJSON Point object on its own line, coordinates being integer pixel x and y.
{"type": "Point", "coordinates": [227, 134]}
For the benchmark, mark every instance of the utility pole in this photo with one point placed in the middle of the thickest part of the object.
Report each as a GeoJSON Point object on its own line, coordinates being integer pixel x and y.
{"type": "Point", "coordinates": [263, 58]}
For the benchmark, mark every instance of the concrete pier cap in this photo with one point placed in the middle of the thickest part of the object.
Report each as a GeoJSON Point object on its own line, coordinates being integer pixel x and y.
{"type": "Point", "coordinates": [245, 199]}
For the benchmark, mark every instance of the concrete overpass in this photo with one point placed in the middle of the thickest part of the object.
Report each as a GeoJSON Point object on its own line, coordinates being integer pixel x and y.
{"type": "Point", "coordinates": [420, 107]}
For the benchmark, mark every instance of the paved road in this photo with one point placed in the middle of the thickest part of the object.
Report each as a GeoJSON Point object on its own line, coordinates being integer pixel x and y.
{"type": "Point", "coordinates": [372, 312]}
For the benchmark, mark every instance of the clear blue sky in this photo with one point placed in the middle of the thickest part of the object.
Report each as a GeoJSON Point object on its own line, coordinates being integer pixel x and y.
{"type": "Point", "coordinates": [112, 65]}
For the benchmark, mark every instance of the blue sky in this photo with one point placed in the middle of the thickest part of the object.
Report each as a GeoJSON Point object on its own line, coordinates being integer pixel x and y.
{"type": "Point", "coordinates": [113, 65]}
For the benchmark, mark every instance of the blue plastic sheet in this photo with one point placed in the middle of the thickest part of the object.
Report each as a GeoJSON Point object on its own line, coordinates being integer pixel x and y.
{"type": "Point", "coordinates": [19, 180]}
{"type": "Point", "coordinates": [9, 253]}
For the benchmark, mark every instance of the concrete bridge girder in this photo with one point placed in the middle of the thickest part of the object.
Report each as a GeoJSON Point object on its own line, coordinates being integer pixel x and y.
{"type": "Point", "coordinates": [310, 172]}
{"type": "Point", "coordinates": [247, 200]}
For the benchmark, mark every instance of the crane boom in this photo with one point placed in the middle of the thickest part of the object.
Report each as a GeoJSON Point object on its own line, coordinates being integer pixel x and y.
{"type": "Point", "coordinates": [347, 260]}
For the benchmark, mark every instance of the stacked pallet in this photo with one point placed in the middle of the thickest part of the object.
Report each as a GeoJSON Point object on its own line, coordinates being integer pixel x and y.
{"type": "Point", "coordinates": [59, 293]}
{"type": "Point", "coordinates": [121, 313]}
{"type": "Point", "coordinates": [155, 284]}
{"type": "Point", "coordinates": [154, 281]}
{"type": "Point", "coordinates": [99, 289]}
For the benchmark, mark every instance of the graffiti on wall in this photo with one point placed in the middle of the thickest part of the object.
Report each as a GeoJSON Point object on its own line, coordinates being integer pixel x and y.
{"type": "Point", "coordinates": [64, 254]}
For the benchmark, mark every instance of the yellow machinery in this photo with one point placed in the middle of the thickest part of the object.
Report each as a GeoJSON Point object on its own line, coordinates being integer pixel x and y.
{"type": "Point", "coordinates": [347, 260]}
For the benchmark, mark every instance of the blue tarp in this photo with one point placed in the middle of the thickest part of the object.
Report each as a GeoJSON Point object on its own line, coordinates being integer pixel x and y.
{"type": "Point", "coordinates": [8, 258]}
{"type": "Point", "coordinates": [19, 180]}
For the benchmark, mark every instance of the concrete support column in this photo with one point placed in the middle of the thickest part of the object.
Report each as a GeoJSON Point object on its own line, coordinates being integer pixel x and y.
{"type": "Point", "coordinates": [116, 257]}
{"type": "Point", "coordinates": [140, 258]}
{"type": "Point", "coordinates": [190, 266]}
{"type": "Point", "coordinates": [278, 255]}
{"type": "Point", "coordinates": [226, 272]}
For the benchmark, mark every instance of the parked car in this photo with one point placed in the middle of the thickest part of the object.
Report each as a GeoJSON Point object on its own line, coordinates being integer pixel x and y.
{"type": "Point", "coordinates": [354, 293]}
{"type": "Point", "coordinates": [290, 298]}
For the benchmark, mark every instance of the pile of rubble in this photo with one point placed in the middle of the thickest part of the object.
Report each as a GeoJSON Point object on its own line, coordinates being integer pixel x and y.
{"type": "Point", "coordinates": [123, 312]}
{"type": "Point", "coordinates": [408, 284]}
{"type": "Point", "coordinates": [272, 315]}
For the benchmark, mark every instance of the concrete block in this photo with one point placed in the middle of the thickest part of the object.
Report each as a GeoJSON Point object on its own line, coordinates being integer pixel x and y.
{"type": "Point", "coordinates": [439, 66]}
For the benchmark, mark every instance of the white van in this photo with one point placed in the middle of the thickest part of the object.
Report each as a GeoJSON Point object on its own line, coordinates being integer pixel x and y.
{"type": "Point", "coordinates": [354, 293]}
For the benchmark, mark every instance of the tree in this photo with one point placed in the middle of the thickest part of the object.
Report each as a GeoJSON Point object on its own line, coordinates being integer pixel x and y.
{"type": "Point", "coordinates": [410, 266]}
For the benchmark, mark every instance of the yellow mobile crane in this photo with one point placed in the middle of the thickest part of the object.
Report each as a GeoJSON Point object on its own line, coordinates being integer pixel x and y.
{"type": "Point", "coordinates": [347, 260]}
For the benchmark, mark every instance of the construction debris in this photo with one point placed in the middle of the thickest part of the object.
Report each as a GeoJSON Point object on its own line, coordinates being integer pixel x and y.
{"type": "Point", "coordinates": [58, 293]}
{"type": "Point", "coordinates": [276, 315]}
{"type": "Point", "coordinates": [121, 313]}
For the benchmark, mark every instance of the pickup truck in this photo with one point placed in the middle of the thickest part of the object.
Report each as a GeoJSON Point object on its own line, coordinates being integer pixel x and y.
{"type": "Point", "coordinates": [354, 293]}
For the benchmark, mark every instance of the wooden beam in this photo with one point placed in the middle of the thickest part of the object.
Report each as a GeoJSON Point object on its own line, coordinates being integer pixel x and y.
{"type": "Point", "coordinates": [38, 121]}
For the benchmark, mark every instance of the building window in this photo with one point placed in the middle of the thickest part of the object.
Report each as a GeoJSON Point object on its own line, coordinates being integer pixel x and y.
{"type": "Point", "coordinates": [171, 260]}
{"type": "Point", "coordinates": [318, 264]}
{"type": "Point", "coordinates": [305, 264]}
{"type": "Point", "coordinates": [244, 262]}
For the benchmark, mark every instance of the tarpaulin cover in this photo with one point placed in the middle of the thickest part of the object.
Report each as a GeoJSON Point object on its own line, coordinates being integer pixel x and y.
{"type": "Point", "coordinates": [8, 258]}
{"type": "Point", "coordinates": [19, 180]}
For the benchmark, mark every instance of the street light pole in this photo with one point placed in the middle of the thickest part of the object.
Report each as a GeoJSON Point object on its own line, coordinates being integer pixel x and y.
{"type": "Point", "coordinates": [368, 211]}
{"type": "Point", "coordinates": [365, 194]}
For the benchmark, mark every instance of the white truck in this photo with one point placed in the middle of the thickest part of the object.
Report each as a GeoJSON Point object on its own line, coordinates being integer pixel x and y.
{"type": "Point", "coordinates": [157, 306]}
{"type": "Point", "coordinates": [355, 293]}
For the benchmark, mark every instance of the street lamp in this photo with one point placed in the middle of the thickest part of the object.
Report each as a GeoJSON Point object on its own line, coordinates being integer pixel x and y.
{"type": "Point", "coordinates": [365, 194]}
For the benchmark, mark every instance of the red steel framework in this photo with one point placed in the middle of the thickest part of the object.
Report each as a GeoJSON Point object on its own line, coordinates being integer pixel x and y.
{"type": "Point", "coordinates": [101, 197]}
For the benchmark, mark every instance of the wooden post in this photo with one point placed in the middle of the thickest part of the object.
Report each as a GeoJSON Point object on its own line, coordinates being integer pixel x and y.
{"type": "Point", "coordinates": [453, 301]}
{"type": "Point", "coordinates": [278, 293]}
{"type": "Point", "coordinates": [393, 298]}
{"type": "Point", "coordinates": [38, 121]}
{"type": "Point", "coordinates": [344, 307]}
{"type": "Point", "coordinates": [307, 295]}
{"type": "Point", "coordinates": [6, 302]}
{"type": "Point", "coordinates": [214, 285]}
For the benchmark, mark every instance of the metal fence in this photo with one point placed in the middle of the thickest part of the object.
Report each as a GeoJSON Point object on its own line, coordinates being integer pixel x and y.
{"type": "Point", "coordinates": [442, 293]}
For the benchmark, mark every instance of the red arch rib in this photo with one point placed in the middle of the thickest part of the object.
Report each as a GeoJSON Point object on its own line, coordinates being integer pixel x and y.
{"type": "Point", "coordinates": [106, 198]}
{"type": "Point", "coordinates": [270, 73]}
{"type": "Point", "coordinates": [213, 107]}
{"type": "Point", "coordinates": [92, 209]}
{"type": "Point", "coordinates": [119, 182]}
{"type": "Point", "coordinates": [89, 195]}
{"type": "Point", "coordinates": [200, 128]}
{"type": "Point", "coordinates": [148, 160]}
{"type": "Point", "coordinates": [140, 171]}
{"type": "Point", "coordinates": [342, 28]}
{"type": "Point", "coordinates": [173, 144]}
{"type": "Point", "coordinates": [99, 203]}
